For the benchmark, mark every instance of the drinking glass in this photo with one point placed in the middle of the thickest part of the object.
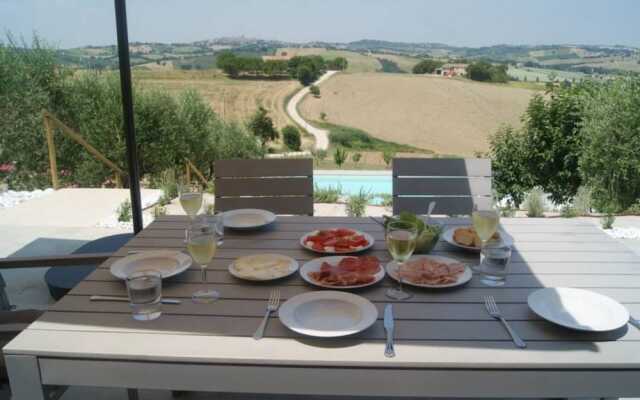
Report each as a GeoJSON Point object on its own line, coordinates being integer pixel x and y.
{"type": "Point", "coordinates": [401, 242]}
{"type": "Point", "coordinates": [495, 264]}
{"type": "Point", "coordinates": [485, 223]}
{"type": "Point", "coordinates": [145, 292]}
{"type": "Point", "coordinates": [190, 199]}
{"type": "Point", "coordinates": [219, 226]}
{"type": "Point", "coordinates": [202, 242]}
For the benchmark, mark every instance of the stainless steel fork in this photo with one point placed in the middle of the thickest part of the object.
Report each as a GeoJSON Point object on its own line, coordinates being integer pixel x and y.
{"type": "Point", "coordinates": [494, 311]}
{"type": "Point", "coordinates": [272, 305]}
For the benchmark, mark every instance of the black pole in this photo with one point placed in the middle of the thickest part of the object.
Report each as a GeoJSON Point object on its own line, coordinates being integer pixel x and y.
{"type": "Point", "coordinates": [127, 112]}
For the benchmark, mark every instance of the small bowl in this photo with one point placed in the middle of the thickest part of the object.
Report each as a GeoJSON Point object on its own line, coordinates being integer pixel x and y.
{"type": "Point", "coordinates": [425, 243]}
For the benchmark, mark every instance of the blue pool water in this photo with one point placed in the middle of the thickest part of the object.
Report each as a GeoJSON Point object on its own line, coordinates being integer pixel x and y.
{"type": "Point", "coordinates": [352, 184]}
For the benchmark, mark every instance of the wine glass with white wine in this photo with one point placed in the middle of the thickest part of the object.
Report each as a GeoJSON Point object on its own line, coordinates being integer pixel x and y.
{"type": "Point", "coordinates": [401, 242]}
{"type": "Point", "coordinates": [190, 199]}
{"type": "Point", "coordinates": [202, 243]}
{"type": "Point", "coordinates": [485, 222]}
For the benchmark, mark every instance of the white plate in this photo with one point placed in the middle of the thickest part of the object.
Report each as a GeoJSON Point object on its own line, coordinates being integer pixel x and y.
{"type": "Point", "coordinates": [447, 236]}
{"type": "Point", "coordinates": [247, 218]}
{"type": "Point", "coordinates": [167, 262]}
{"type": "Point", "coordinates": [315, 264]}
{"type": "Point", "coordinates": [370, 240]}
{"type": "Point", "coordinates": [293, 267]}
{"type": "Point", "coordinates": [392, 270]}
{"type": "Point", "coordinates": [578, 309]}
{"type": "Point", "coordinates": [328, 314]}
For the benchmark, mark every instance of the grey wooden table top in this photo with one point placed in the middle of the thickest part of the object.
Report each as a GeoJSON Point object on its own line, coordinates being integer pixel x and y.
{"type": "Point", "coordinates": [434, 329]}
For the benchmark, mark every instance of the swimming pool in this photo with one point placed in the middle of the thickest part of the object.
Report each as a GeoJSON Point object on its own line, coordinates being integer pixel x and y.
{"type": "Point", "coordinates": [351, 182]}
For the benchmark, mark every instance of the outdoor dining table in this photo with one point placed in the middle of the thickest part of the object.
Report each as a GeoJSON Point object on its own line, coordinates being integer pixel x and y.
{"type": "Point", "coordinates": [446, 343]}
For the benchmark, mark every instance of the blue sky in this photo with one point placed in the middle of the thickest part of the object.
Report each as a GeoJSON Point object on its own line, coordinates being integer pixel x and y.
{"type": "Point", "coordinates": [70, 23]}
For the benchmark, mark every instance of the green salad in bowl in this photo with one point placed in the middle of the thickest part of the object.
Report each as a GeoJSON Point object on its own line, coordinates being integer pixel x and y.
{"type": "Point", "coordinates": [428, 234]}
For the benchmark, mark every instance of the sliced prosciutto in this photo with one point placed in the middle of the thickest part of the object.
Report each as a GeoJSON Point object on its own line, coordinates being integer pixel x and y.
{"type": "Point", "coordinates": [350, 271]}
{"type": "Point", "coordinates": [427, 271]}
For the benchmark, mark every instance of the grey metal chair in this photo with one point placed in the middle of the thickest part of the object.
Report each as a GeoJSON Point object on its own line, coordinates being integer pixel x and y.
{"type": "Point", "coordinates": [282, 186]}
{"type": "Point", "coordinates": [455, 184]}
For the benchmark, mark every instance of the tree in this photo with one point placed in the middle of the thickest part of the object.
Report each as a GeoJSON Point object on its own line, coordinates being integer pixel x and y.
{"type": "Point", "coordinates": [229, 63]}
{"type": "Point", "coordinates": [261, 125]}
{"type": "Point", "coordinates": [479, 71]}
{"type": "Point", "coordinates": [291, 137]}
{"type": "Point", "coordinates": [337, 64]}
{"type": "Point", "coordinates": [340, 156]}
{"type": "Point", "coordinates": [427, 66]}
{"type": "Point", "coordinates": [511, 178]}
{"type": "Point", "coordinates": [609, 161]}
{"type": "Point", "coordinates": [305, 75]}
{"type": "Point", "coordinates": [314, 90]}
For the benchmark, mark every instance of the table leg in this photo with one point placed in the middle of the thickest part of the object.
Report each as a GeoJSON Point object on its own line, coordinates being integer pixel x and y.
{"type": "Point", "coordinates": [24, 378]}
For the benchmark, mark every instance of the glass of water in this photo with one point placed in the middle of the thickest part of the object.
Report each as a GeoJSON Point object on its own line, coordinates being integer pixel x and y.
{"type": "Point", "coordinates": [494, 266]}
{"type": "Point", "coordinates": [145, 293]}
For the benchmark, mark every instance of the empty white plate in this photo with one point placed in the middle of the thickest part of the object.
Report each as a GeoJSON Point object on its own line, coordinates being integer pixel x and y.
{"type": "Point", "coordinates": [247, 218]}
{"type": "Point", "coordinates": [167, 262]}
{"type": "Point", "coordinates": [578, 309]}
{"type": "Point", "coordinates": [328, 314]}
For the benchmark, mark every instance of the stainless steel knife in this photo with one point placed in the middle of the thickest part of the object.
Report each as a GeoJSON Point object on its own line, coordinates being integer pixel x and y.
{"type": "Point", "coordinates": [388, 327]}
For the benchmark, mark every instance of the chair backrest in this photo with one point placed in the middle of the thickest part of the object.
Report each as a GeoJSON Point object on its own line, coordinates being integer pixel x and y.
{"type": "Point", "coordinates": [455, 184]}
{"type": "Point", "coordinates": [282, 186]}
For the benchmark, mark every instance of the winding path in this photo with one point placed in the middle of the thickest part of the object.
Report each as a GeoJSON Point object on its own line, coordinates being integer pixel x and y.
{"type": "Point", "coordinates": [321, 135]}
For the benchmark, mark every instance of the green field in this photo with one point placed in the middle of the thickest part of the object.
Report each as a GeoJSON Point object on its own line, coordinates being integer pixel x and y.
{"type": "Point", "coordinates": [543, 74]}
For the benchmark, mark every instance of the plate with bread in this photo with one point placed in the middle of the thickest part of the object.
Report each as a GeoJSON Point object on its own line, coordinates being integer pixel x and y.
{"type": "Point", "coordinates": [465, 237]}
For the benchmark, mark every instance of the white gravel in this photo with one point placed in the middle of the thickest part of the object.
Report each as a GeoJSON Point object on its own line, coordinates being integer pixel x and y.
{"type": "Point", "coordinates": [623, 233]}
{"type": "Point", "coordinates": [147, 216]}
{"type": "Point", "coordinates": [12, 198]}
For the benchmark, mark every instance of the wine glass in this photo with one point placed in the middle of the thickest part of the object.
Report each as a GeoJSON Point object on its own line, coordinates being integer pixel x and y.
{"type": "Point", "coordinates": [190, 199]}
{"type": "Point", "coordinates": [202, 243]}
{"type": "Point", "coordinates": [401, 242]}
{"type": "Point", "coordinates": [485, 222]}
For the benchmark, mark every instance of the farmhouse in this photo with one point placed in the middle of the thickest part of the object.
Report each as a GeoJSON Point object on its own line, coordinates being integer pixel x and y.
{"type": "Point", "coordinates": [450, 70]}
{"type": "Point", "coordinates": [283, 56]}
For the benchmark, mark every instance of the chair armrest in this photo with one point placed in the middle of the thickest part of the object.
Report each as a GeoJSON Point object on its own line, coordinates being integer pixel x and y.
{"type": "Point", "coordinates": [54, 261]}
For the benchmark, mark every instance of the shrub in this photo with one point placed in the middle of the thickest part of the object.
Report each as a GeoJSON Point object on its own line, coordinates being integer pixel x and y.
{"type": "Point", "coordinates": [209, 209]}
{"type": "Point", "coordinates": [320, 155]}
{"type": "Point", "coordinates": [569, 211]}
{"type": "Point", "coordinates": [387, 199]}
{"type": "Point", "coordinates": [323, 116]}
{"type": "Point", "coordinates": [387, 156]}
{"type": "Point", "coordinates": [634, 209]}
{"type": "Point", "coordinates": [582, 201]}
{"type": "Point", "coordinates": [535, 203]}
{"type": "Point", "coordinates": [608, 220]}
{"type": "Point", "coordinates": [357, 203]}
{"type": "Point", "coordinates": [327, 195]}
{"type": "Point", "coordinates": [340, 155]}
{"type": "Point", "coordinates": [124, 211]}
{"type": "Point", "coordinates": [356, 157]}
{"type": "Point", "coordinates": [291, 137]}
{"type": "Point", "coordinates": [159, 211]}
{"type": "Point", "coordinates": [314, 90]}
